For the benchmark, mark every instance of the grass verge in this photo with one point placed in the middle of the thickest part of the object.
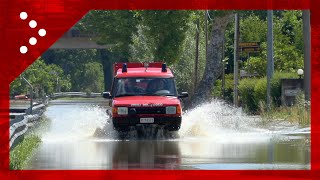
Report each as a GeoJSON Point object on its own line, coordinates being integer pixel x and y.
{"type": "Point", "coordinates": [298, 113]}
{"type": "Point", "coordinates": [20, 155]}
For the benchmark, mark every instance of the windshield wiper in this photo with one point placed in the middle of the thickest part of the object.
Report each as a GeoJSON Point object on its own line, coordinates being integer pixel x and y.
{"type": "Point", "coordinates": [121, 95]}
{"type": "Point", "coordinates": [154, 94]}
{"type": "Point", "coordinates": [168, 95]}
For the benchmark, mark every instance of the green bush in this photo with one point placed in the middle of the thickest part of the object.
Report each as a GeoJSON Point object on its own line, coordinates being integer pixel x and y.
{"type": "Point", "coordinates": [22, 153]}
{"type": "Point", "coordinates": [217, 90]}
{"type": "Point", "coordinates": [252, 91]}
{"type": "Point", "coordinates": [228, 88]}
{"type": "Point", "coordinates": [246, 93]}
{"type": "Point", "coordinates": [260, 90]}
{"type": "Point", "coordinates": [228, 92]}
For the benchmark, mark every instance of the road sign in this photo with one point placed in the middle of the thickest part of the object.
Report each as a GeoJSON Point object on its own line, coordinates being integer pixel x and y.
{"type": "Point", "coordinates": [249, 47]}
{"type": "Point", "coordinates": [249, 44]}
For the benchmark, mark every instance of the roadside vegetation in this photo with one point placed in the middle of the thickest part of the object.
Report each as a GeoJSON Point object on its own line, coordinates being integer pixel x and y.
{"type": "Point", "coordinates": [252, 98]}
{"type": "Point", "coordinates": [298, 113]}
{"type": "Point", "coordinates": [21, 154]}
{"type": "Point", "coordinates": [24, 150]}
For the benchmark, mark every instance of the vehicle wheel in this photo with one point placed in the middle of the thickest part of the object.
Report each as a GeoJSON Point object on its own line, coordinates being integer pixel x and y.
{"type": "Point", "coordinates": [122, 131]}
{"type": "Point", "coordinates": [173, 127]}
{"type": "Point", "coordinates": [155, 132]}
{"type": "Point", "coordinates": [120, 128]}
{"type": "Point", "coordinates": [140, 132]}
{"type": "Point", "coordinates": [123, 135]}
{"type": "Point", "coordinates": [147, 132]}
{"type": "Point", "coordinates": [171, 134]}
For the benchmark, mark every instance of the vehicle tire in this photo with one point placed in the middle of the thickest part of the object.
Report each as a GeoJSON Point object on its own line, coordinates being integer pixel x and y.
{"type": "Point", "coordinates": [171, 134]}
{"type": "Point", "coordinates": [120, 128]}
{"type": "Point", "coordinates": [155, 133]}
{"type": "Point", "coordinates": [122, 131]}
{"type": "Point", "coordinates": [140, 133]}
{"type": "Point", "coordinates": [173, 127]}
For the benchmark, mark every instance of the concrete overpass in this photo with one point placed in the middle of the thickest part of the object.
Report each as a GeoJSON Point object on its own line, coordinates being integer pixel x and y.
{"type": "Point", "coordinates": [74, 39]}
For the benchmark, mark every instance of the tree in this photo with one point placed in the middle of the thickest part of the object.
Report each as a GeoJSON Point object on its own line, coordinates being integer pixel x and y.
{"type": "Point", "coordinates": [92, 77]}
{"type": "Point", "coordinates": [213, 67]}
{"type": "Point", "coordinates": [114, 28]}
{"type": "Point", "coordinates": [140, 48]}
{"type": "Point", "coordinates": [184, 69]}
{"type": "Point", "coordinates": [44, 78]}
{"type": "Point", "coordinates": [165, 32]}
{"type": "Point", "coordinates": [288, 44]}
{"type": "Point", "coordinates": [73, 62]}
{"type": "Point", "coordinates": [253, 29]}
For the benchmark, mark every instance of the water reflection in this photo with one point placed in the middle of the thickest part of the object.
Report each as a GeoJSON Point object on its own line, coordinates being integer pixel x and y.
{"type": "Point", "coordinates": [108, 155]}
{"type": "Point", "coordinates": [146, 155]}
{"type": "Point", "coordinates": [292, 154]}
{"type": "Point", "coordinates": [167, 154]}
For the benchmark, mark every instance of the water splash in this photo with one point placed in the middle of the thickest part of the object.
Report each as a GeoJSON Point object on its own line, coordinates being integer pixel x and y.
{"type": "Point", "coordinates": [211, 118]}
{"type": "Point", "coordinates": [221, 122]}
{"type": "Point", "coordinates": [69, 123]}
{"type": "Point", "coordinates": [215, 120]}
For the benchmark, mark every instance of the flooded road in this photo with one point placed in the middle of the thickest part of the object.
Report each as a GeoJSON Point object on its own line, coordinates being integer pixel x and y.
{"type": "Point", "coordinates": [212, 136]}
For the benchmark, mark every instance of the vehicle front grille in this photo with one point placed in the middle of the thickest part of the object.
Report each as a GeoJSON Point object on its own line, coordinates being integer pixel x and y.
{"type": "Point", "coordinates": [149, 110]}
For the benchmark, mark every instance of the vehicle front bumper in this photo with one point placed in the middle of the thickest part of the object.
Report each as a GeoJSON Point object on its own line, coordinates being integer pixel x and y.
{"type": "Point", "coordinates": [133, 121]}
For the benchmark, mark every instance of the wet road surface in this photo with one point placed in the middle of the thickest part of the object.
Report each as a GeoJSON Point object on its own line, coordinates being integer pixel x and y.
{"type": "Point", "coordinates": [212, 136]}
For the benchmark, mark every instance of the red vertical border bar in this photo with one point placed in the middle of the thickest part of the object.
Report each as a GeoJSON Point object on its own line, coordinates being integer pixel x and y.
{"type": "Point", "coordinates": [60, 15]}
{"type": "Point", "coordinates": [315, 85]}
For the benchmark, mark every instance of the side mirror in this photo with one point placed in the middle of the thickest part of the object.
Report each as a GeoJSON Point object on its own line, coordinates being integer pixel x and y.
{"type": "Point", "coordinates": [183, 95]}
{"type": "Point", "coordinates": [106, 95]}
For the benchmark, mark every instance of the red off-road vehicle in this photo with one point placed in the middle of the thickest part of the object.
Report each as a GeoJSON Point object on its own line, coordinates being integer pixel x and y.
{"type": "Point", "coordinates": [144, 93]}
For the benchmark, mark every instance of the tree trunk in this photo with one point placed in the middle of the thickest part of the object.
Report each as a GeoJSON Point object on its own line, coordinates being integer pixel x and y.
{"type": "Point", "coordinates": [107, 65]}
{"type": "Point", "coordinates": [213, 69]}
{"type": "Point", "coordinates": [107, 61]}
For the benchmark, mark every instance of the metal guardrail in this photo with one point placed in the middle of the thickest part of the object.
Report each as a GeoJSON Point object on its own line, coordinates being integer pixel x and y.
{"type": "Point", "coordinates": [19, 128]}
{"type": "Point", "coordinates": [75, 94]}
{"type": "Point", "coordinates": [22, 121]}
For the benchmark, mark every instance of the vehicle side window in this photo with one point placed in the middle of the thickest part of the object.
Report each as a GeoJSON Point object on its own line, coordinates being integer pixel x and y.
{"type": "Point", "coordinates": [119, 87]}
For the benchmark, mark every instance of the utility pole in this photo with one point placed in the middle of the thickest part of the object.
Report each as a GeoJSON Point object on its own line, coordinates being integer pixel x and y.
{"type": "Point", "coordinates": [57, 88]}
{"type": "Point", "coordinates": [197, 55]}
{"type": "Point", "coordinates": [223, 68]}
{"type": "Point", "coordinates": [235, 58]}
{"type": "Point", "coordinates": [206, 29]}
{"type": "Point", "coordinates": [31, 92]}
{"type": "Point", "coordinates": [307, 53]}
{"type": "Point", "coordinates": [270, 66]}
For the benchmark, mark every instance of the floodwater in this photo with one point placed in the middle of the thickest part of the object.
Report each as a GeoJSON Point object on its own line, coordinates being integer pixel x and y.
{"type": "Point", "coordinates": [213, 136]}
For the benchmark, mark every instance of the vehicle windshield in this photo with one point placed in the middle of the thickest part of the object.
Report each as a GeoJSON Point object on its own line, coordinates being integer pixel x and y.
{"type": "Point", "coordinates": [144, 87]}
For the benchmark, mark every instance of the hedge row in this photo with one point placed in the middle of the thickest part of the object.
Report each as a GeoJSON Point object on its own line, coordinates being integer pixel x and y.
{"type": "Point", "coordinates": [253, 90]}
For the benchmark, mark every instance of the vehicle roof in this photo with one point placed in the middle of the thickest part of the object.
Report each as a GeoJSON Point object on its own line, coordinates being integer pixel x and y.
{"type": "Point", "coordinates": [143, 72]}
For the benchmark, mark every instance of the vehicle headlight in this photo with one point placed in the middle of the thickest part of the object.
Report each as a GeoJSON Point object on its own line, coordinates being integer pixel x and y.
{"type": "Point", "coordinates": [171, 110]}
{"type": "Point", "coordinates": [122, 110]}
